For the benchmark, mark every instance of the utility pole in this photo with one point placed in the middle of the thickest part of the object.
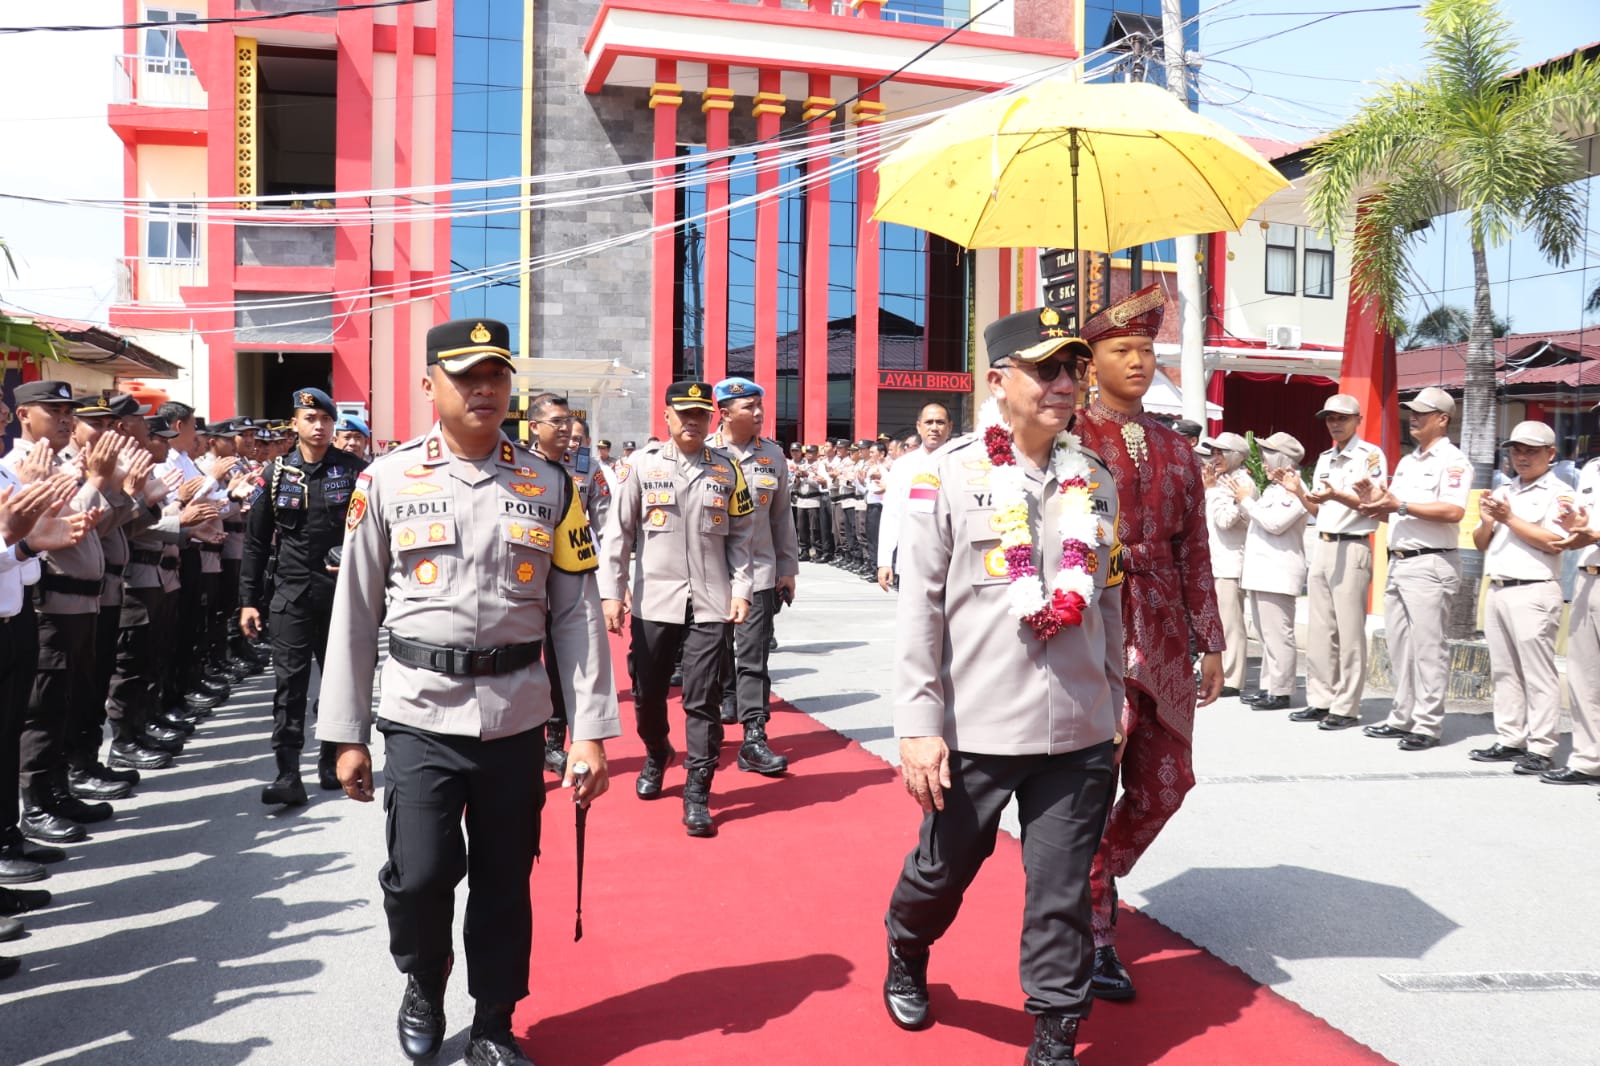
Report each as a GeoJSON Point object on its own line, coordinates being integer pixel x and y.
{"type": "Point", "coordinates": [1191, 322]}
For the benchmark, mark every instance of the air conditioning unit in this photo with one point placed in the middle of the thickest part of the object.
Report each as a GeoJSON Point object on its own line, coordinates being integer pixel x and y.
{"type": "Point", "coordinates": [1283, 336]}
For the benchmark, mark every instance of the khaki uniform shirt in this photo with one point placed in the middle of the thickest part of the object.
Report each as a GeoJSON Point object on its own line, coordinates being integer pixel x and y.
{"type": "Point", "coordinates": [1508, 555]}
{"type": "Point", "coordinates": [966, 669]}
{"type": "Point", "coordinates": [466, 553]}
{"type": "Point", "coordinates": [1441, 474]}
{"type": "Point", "coordinates": [1227, 523]}
{"type": "Point", "coordinates": [774, 545]}
{"type": "Point", "coordinates": [1275, 542]}
{"type": "Point", "coordinates": [1341, 469]}
{"type": "Point", "coordinates": [691, 519]}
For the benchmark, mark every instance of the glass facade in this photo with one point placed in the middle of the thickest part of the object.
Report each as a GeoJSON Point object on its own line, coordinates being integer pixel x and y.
{"type": "Point", "coordinates": [486, 142]}
{"type": "Point", "coordinates": [923, 305]}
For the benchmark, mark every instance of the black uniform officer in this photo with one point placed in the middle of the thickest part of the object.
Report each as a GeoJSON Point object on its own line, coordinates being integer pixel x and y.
{"type": "Point", "coordinates": [307, 494]}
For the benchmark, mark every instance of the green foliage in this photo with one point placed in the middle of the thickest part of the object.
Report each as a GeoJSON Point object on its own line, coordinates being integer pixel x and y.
{"type": "Point", "coordinates": [41, 342]}
{"type": "Point", "coordinates": [1253, 463]}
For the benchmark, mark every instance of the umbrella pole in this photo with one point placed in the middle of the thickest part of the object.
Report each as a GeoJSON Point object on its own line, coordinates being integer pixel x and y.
{"type": "Point", "coordinates": [1077, 259]}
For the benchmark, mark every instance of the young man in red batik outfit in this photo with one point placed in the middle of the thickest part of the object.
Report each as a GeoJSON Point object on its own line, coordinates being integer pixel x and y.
{"type": "Point", "coordinates": [1168, 595]}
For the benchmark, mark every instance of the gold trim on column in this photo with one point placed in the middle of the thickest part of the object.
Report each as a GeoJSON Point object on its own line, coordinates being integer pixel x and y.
{"type": "Point", "coordinates": [245, 133]}
{"type": "Point", "coordinates": [716, 98]}
{"type": "Point", "coordinates": [666, 94]}
{"type": "Point", "coordinates": [769, 104]}
{"type": "Point", "coordinates": [819, 106]}
{"type": "Point", "coordinates": [868, 112]}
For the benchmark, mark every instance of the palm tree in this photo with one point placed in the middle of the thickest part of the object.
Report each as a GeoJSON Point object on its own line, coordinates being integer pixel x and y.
{"type": "Point", "coordinates": [1471, 134]}
{"type": "Point", "coordinates": [1445, 324]}
{"type": "Point", "coordinates": [27, 337]}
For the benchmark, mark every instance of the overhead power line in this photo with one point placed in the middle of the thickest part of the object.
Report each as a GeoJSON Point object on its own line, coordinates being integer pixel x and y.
{"type": "Point", "coordinates": [220, 20]}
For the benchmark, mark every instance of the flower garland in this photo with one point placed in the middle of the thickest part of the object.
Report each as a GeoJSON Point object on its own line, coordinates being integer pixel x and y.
{"type": "Point", "coordinates": [1046, 611]}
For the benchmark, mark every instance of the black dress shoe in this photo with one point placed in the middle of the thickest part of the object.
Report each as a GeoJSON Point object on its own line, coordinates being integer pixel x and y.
{"type": "Point", "coordinates": [86, 786]}
{"type": "Point", "coordinates": [1256, 697]}
{"type": "Point", "coordinates": [106, 773]}
{"type": "Point", "coordinates": [129, 753]}
{"type": "Point", "coordinates": [10, 929]}
{"type": "Point", "coordinates": [40, 824]}
{"type": "Point", "coordinates": [80, 811]}
{"type": "Point", "coordinates": [1228, 691]}
{"type": "Point", "coordinates": [177, 726]}
{"type": "Point", "coordinates": [13, 845]}
{"type": "Point", "coordinates": [655, 768]}
{"type": "Point", "coordinates": [728, 715]}
{"type": "Point", "coordinates": [1273, 703]}
{"type": "Point", "coordinates": [499, 1049]}
{"type": "Point", "coordinates": [1110, 978]}
{"type": "Point", "coordinates": [1496, 752]}
{"type": "Point", "coordinates": [1532, 765]}
{"type": "Point", "coordinates": [1309, 714]}
{"type": "Point", "coordinates": [905, 988]}
{"type": "Point", "coordinates": [1418, 742]}
{"type": "Point", "coordinates": [676, 680]}
{"type": "Point", "coordinates": [1568, 776]}
{"type": "Point", "coordinates": [420, 1023]}
{"type": "Point", "coordinates": [1338, 721]}
{"type": "Point", "coordinates": [22, 900]}
{"type": "Point", "coordinates": [21, 871]}
{"type": "Point", "coordinates": [201, 700]}
{"type": "Point", "coordinates": [1055, 1042]}
{"type": "Point", "coordinates": [1384, 731]}
{"type": "Point", "coordinates": [153, 741]}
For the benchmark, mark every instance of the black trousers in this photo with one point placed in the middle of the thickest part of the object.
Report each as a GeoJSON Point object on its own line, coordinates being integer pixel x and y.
{"type": "Point", "coordinates": [61, 686]}
{"type": "Point", "coordinates": [225, 616]}
{"type": "Point", "coordinates": [655, 650]}
{"type": "Point", "coordinates": [1062, 802]}
{"type": "Point", "coordinates": [744, 659]}
{"type": "Point", "coordinates": [299, 634]}
{"type": "Point", "coordinates": [214, 641]}
{"type": "Point", "coordinates": [19, 658]}
{"type": "Point", "coordinates": [83, 741]}
{"type": "Point", "coordinates": [808, 530]}
{"type": "Point", "coordinates": [430, 782]}
{"type": "Point", "coordinates": [874, 523]}
{"type": "Point", "coordinates": [131, 689]}
{"type": "Point", "coordinates": [844, 527]}
{"type": "Point", "coordinates": [165, 691]}
{"type": "Point", "coordinates": [190, 621]}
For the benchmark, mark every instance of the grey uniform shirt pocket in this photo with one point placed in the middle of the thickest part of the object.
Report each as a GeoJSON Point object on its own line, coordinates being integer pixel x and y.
{"type": "Point", "coordinates": [526, 564]}
{"type": "Point", "coordinates": [982, 543]}
{"type": "Point", "coordinates": [426, 556]}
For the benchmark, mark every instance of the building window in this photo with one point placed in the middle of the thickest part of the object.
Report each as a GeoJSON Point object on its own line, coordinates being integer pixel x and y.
{"type": "Point", "coordinates": [162, 52]}
{"type": "Point", "coordinates": [1319, 266]}
{"type": "Point", "coordinates": [170, 234]}
{"type": "Point", "coordinates": [1280, 258]}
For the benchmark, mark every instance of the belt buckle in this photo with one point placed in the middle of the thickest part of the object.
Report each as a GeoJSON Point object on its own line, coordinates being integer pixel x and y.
{"type": "Point", "coordinates": [482, 661]}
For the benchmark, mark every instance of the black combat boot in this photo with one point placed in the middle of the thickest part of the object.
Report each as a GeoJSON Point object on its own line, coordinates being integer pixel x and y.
{"type": "Point", "coordinates": [65, 804]}
{"type": "Point", "coordinates": [905, 988]}
{"type": "Point", "coordinates": [286, 789]}
{"type": "Point", "coordinates": [328, 766]}
{"type": "Point", "coordinates": [126, 750]}
{"type": "Point", "coordinates": [85, 784]}
{"type": "Point", "coordinates": [696, 797]}
{"type": "Point", "coordinates": [1055, 1042]}
{"type": "Point", "coordinates": [755, 756]}
{"type": "Point", "coordinates": [40, 821]}
{"type": "Point", "coordinates": [420, 1023]}
{"type": "Point", "coordinates": [492, 1043]}
{"type": "Point", "coordinates": [555, 747]}
{"type": "Point", "coordinates": [656, 761]}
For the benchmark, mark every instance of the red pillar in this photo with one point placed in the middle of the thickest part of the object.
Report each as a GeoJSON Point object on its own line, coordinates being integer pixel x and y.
{"type": "Point", "coordinates": [221, 132]}
{"type": "Point", "coordinates": [351, 328]}
{"type": "Point", "coordinates": [814, 369]}
{"type": "Point", "coordinates": [717, 103]}
{"type": "Point", "coordinates": [665, 97]}
{"type": "Point", "coordinates": [1368, 371]}
{"type": "Point", "coordinates": [769, 115]}
{"type": "Point", "coordinates": [869, 112]}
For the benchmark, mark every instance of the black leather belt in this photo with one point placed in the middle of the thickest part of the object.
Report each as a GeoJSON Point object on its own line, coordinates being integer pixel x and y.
{"type": "Point", "coordinates": [233, 527]}
{"type": "Point", "coordinates": [463, 662]}
{"type": "Point", "coordinates": [145, 558]}
{"type": "Point", "coordinates": [1344, 536]}
{"type": "Point", "coordinates": [70, 586]}
{"type": "Point", "coordinates": [1407, 553]}
{"type": "Point", "coordinates": [115, 569]}
{"type": "Point", "coordinates": [168, 563]}
{"type": "Point", "coordinates": [1513, 582]}
{"type": "Point", "coordinates": [214, 549]}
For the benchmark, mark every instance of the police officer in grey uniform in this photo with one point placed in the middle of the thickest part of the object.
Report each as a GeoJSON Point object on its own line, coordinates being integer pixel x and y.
{"type": "Point", "coordinates": [1581, 521]}
{"type": "Point", "coordinates": [1424, 504]}
{"type": "Point", "coordinates": [990, 704]}
{"type": "Point", "coordinates": [1518, 529]}
{"type": "Point", "coordinates": [1227, 525]}
{"type": "Point", "coordinates": [1340, 574]}
{"type": "Point", "coordinates": [775, 557]}
{"type": "Point", "coordinates": [684, 509]}
{"type": "Point", "coordinates": [462, 544]}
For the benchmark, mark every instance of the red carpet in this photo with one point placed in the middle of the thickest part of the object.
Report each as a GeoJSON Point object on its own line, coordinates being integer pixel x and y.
{"type": "Point", "coordinates": [765, 944]}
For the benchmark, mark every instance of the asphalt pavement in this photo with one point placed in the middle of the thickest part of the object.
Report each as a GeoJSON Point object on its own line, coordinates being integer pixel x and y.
{"type": "Point", "coordinates": [1435, 909]}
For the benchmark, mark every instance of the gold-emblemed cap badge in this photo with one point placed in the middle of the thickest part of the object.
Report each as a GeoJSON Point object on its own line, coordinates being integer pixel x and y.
{"type": "Point", "coordinates": [307, 400]}
{"type": "Point", "coordinates": [480, 334]}
{"type": "Point", "coordinates": [1049, 317]}
{"type": "Point", "coordinates": [694, 392]}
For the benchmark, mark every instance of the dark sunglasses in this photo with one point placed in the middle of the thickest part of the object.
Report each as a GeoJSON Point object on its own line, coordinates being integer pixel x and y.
{"type": "Point", "coordinates": [1050, 369]}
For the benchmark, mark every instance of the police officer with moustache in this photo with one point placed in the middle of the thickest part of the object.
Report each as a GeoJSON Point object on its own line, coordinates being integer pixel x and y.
{"type": "Point", "coordinates": [775, 558]}
{"type": "Point", "coordinates": [1341, 569]}
{"type": "Point", "coordinates": [297, 521]}
{"type": "Point", "coordinates": [461, 535]}
{"type": "Point", "coordinates": [994, 700]}
{"type": "Point", "coordinates": [686, 511]}
{"type": "Point", "coordinates": [1424, 505]}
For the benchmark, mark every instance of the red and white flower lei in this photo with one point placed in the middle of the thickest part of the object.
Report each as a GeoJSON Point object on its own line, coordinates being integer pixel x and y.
{"type": "Point", "coordinates": [1045, 611]}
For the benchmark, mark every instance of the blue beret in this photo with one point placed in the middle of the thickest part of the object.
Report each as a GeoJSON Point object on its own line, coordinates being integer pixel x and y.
{"type": "Point", "coordinates": [736, 389]}
{"type": "Point", "coordinates": [352, 422]}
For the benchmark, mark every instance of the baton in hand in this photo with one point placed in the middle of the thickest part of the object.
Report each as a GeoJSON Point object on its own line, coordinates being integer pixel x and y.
{"type": "Point", "coordinates": [580, 774]}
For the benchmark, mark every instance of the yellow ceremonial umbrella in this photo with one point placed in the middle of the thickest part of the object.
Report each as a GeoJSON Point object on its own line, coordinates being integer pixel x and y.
{"type": "Point", "coordinates": [1064, 164]}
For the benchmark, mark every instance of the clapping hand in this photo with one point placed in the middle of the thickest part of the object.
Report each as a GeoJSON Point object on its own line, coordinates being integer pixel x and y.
{"type": "Point", "coordinates": [1493, 508]}
{"type": "Point", "coordinates": [38, 464]}
{"type": "Point", "coordinates": [1575, 520]}
{"type": "Point", "coordinates": [21, 510]}
{"type": "Point", "coordinates": [137, 464]}
{"type": "Point", "coordinates": [188, 489]}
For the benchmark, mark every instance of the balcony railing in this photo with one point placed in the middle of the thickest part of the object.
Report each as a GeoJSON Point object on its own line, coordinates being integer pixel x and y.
{"type": "Point", "coordinates": [156, 81]}
{"type": "Point", "coordinates": [157, 282]}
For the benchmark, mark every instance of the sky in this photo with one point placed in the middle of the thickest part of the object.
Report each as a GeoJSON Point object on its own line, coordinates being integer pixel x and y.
{"type": "Point", "coordinates": [1291, 86]}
